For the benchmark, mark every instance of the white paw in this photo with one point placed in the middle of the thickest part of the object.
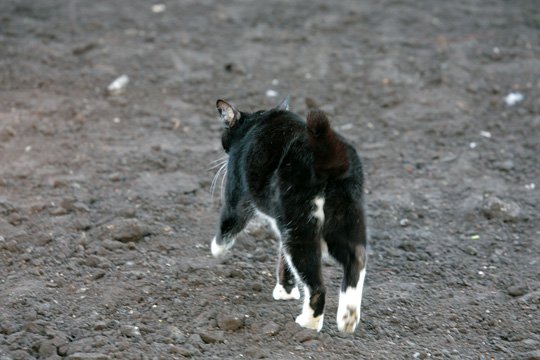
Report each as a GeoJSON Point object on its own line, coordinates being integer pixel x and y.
{"type": "Point", "coordinates": [307, 320]}
{"type": "Point", "coordinates": [219, 250]}
{"type": "Point", "coordinates": [280, 293]}
{"type": "Point", "coordinates": [350, 301]}
{"type": "Point", "coordinates": [348, 318]}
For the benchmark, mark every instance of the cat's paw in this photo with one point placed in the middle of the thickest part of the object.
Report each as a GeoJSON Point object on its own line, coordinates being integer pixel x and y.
{"type": "Point", "coordinates": [307, 321]}
{"type": "Point", "coordinates": [348, 314]}
{"type": "Point", "coordinates": [219, 250]}
{"type": "Point", "coordinates": [280, 293]}
{"type": "Point", "coordinates": [348, 317]}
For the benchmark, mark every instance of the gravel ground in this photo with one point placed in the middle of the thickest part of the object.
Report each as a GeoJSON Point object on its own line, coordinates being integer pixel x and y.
{"type": "Point", "coordinates": [106, 214]}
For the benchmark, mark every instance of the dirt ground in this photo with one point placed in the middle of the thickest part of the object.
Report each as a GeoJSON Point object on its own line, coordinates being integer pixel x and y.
{"type": "Point", "coordinates": [106, 213]}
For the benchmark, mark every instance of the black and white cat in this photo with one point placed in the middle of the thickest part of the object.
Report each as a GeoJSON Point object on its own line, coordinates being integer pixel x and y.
{"type": "Point", "coordinates": [308, 181]}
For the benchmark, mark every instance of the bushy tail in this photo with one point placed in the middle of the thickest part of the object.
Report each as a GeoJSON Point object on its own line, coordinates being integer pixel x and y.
{"type": "Point", "coordinates": [329, 152]}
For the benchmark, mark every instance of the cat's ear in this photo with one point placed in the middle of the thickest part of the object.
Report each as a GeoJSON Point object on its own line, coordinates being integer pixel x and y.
{"type": "Point", "coordinates": [284, 105]}
{"type": "Point", "coordinates": [228, 112]}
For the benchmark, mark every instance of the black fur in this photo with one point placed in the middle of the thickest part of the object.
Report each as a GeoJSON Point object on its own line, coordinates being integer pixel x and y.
{"type": "Point", "coordinates": [278, 164]}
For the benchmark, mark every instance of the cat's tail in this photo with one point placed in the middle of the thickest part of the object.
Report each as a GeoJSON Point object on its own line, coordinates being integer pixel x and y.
{"type": "Point", "coordinates": [329, 151]}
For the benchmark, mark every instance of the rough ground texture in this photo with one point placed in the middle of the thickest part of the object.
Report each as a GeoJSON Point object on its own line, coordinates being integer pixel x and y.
{"type": "Point", "coordinates": [106, 215]}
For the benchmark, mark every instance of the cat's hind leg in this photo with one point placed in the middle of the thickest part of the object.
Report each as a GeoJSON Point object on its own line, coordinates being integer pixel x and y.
{"type": "Point", "coordinates": [347, 244]}
{"type": "Point", "coordinates": [307, 268]}
{"type": "Point", "coordinates": [350, 297]}
{"type": "Point", "coordinates": [234, 218]}
{"type": "Point", "coordinates": [302, 252]}
{"type": "Point", "coordinates": [286, 288]}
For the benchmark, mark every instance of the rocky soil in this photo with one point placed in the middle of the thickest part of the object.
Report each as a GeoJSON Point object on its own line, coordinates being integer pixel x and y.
{"type": "Point", "coordinates": [106, 213]}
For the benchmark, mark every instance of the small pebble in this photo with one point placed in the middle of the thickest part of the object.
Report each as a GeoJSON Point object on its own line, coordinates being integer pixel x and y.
{"type": "Point", "coordinates": [470, 250]}
{"type": "Point", "coordinates": [507, 165]}
{"type": "Point", "coordinates": [100, 325]}
{"type": "Point", "coordinates": [118, 85]}
{"type": "Point", "coordinates": [517, 290]}
{"type": "Point", "coordinates": [271, 93]}
{"type": "Point", "coordinates": [513, 98]}
{"type": "Point", "coordinates": [211, 337]}
{"type": "Point", "coordinates": [270, 329]}
{"type": "Point", "coordinates": [407, 246]}
{"type": "Point", "coordinates": [235, 273]}
{"type": "Point", "coordinates": [229, 322]}
{"type": "Point", "coordinates": [257, 286]}
{"type": "Point", "coordinates": [130, 331]}
{"type": "Point", "coordinates": [126, 230]}
{"type": "Point", "coordinates": [158, 8]}
{"type": "Point", "coordinates": [485, 134]}
{"type": "Point", "coordinates": [305, 335]}
{"type": "Point", "coordinates": [495, 208]}
{"type": "Point", "coordinates": [58, 211]}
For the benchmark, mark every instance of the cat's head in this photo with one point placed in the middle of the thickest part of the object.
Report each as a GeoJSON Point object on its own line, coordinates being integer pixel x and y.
{"type": "Point", "coordinates": [234, 119]}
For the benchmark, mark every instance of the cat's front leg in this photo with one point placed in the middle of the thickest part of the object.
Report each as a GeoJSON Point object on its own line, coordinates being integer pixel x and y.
{"type": "Point", "coordinates": [233, 221]}
{"type": "Point", "coordinates": [219, 247]}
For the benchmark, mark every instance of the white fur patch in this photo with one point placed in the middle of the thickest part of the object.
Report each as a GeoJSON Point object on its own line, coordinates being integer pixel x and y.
{"type": "Point", "coordinates": [324, 247]}
{"type": "Point", "coordinates": [271, 221]}
{"type": "Point", "coordinates": [280, 293]}
{"type": "Point", "coordinates": [292, 268]}
{"type": "Point", "coordinates": [327, 259]}
{"type": "Point", "coordinates": [220, 250]}
{"type": "Point", "coordinates": [306, 318]}
{"type": "Point", "coordinates": [319, 211]}
{"type": "Point", "coordinates": [350, 301]}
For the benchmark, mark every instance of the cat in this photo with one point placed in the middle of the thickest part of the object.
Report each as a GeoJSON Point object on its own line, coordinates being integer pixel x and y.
{"type": "Point", "coordinates": [307, 180]}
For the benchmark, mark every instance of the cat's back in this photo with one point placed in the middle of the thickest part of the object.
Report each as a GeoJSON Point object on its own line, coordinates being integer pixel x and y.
{"type": "Point", "coordinates": [280, 126]}
{"type": "Point", "coordinates": [277, 141]}
{"type": "Point", "coordinates": [273, 134]}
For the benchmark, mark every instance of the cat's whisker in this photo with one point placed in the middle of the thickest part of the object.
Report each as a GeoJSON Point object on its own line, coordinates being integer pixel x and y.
{"type": "Point", "coordinates": [221, 186]}
{"type": "Point", "coordinates": [219, 159]}
{"type": "Point", "coordinates": [216, 178]}
{"type": "Point", "coordinates": [219, 163]}
{"type": "Point", "coordinates": [213, 183]}
{"type": "Point", "coordinates": [216, 166]}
